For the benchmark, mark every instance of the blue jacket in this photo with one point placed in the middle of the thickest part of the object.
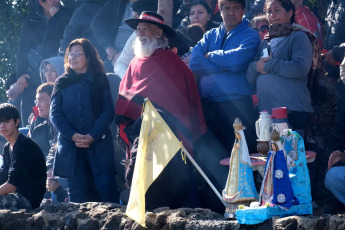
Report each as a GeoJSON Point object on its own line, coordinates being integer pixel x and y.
{"type": "Point", "coordinates": [223, 73]}
{"type": "Point", "coordinates": [71, 112]}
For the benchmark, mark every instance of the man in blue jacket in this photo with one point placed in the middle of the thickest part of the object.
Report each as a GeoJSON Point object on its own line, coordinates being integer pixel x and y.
{"type": "Point", "coordinates": [221, 60]}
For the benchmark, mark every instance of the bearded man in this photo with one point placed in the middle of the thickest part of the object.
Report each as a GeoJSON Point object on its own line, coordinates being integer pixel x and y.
{"type": "Point", "coordinates": [161, 76]}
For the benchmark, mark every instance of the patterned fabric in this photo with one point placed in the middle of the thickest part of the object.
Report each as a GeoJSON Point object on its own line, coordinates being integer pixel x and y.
{"type": "Point", "coordinates": [14, 201]}
{"type": "Point", "coordinates": [306, 18]}
{"type": "Point", "coordinates": [294, 146]}
{"type": "Point", "coordinates": [276, 187]}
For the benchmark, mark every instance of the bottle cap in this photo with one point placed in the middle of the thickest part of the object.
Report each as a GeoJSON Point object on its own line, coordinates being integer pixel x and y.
{"type": "Point", "coordinates": [279, 113]}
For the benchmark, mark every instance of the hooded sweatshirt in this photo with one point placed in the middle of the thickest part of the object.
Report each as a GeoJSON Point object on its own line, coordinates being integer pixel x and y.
{"type": "Point", "coordinates": [57, 62]}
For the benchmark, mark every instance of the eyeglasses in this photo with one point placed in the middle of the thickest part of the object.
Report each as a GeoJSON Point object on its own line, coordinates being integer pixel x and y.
{"type": "Point", "coordinates": [263, 28]}
{"type": "Point", "coordinates": [74, 55]}
{"type": "Point", "coordinates": [51, 70]}
{"type": "Point", "coordinates": [40, 100]}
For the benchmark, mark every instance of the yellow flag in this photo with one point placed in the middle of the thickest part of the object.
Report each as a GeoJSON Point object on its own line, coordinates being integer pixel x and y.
{"type": "Point", "coordinates": [157, 146]}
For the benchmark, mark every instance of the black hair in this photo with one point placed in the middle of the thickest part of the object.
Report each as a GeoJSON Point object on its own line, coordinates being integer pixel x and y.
{"type": "Point", "coordinates": [180, 42]}
{"type": "Point", "coordinates": [286, 4]}
{"type": "Point", "coordinates": [242, 2]}
{"type": "Point", "coordinates": [193, 32]}
{"type": "Point", "coordinates": [257, 19]}
{"type": "Point", "coordinates": [8, 112]}
{"type": "Point", "coordinates": [199, 2]}
{"type": "Point", "coordinates": [145, 5]}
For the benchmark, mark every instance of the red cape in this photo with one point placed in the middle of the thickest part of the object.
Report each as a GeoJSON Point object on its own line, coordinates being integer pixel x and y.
{"type": "Point", "coordinates": [169, 84]}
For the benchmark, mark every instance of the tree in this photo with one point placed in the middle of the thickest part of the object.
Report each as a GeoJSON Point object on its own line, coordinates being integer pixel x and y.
{"type": "Point", "coordinates": [11, 15]}
{"type": "Point", "coordinates": [12, 12]}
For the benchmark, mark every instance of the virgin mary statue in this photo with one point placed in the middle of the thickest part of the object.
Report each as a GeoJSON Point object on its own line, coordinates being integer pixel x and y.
{"type": "Point", "coordinates": [240, 187]}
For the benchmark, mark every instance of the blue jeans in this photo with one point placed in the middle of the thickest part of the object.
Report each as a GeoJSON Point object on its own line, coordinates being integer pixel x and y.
{"type": "Point", "coordinates": [79, 184]}
{"type": "Point", "coordinates": [335, 182]}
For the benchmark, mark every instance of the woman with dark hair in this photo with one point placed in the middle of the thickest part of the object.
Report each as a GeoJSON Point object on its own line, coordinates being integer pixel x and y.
{"type": "Point", "coordinates": [282, 65]}
{"type": "Point", "coordinates": [199, 13]}
{"type": "Point", "coordinates": [196, 24]}
{"type": "Point", "coordinates": [82, 111]}
{"type": "Point", "coordinates": [184, 9]}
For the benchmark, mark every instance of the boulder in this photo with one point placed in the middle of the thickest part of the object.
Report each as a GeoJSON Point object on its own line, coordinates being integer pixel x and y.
{"type": "Point", "coordinates": [108, 216]}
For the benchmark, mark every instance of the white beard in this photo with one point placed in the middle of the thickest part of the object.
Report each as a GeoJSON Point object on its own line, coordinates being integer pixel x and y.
{"type": "Point", "coordinates": [144, 48]}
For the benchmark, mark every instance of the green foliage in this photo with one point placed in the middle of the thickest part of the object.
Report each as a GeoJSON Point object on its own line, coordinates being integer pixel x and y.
{"type": "Point", "coordinates": [11, 15]}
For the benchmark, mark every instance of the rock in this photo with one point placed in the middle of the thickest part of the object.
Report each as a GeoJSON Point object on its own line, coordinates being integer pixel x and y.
{"type": "Point", "coordinates": [323, 222]}
{"type": "Point", "coordinates": [287, 223]}
{"type": "Point", "coordinates": [307, 222]}
{"type": "Point", "coordinates": [106, 216]}
{"type": "Point", "coordinates": [337, 222]}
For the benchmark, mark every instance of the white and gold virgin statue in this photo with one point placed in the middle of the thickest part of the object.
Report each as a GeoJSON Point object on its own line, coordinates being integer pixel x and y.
{"type": "Point", "coordinates": [240, 187]}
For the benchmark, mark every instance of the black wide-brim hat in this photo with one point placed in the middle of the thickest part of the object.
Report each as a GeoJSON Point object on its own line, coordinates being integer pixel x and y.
{"type": "Point", "coordinates": [153, 18]}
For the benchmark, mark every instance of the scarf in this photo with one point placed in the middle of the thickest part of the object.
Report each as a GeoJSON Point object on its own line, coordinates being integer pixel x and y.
{"type": "Point", "coordinates": [98, 84]}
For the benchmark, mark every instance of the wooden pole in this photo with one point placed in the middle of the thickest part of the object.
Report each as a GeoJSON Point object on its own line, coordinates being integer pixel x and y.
{"type": "Point", "coordinates": [205, 177]}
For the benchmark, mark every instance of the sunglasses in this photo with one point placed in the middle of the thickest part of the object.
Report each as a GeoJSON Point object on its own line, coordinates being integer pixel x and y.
{"type": "Point", "coordinates": [263, 28]}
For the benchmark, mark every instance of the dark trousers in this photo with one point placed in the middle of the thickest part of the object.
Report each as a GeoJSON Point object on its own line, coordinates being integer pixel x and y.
{"type": "Point", "coordinates": [220, 117]}
{"type": "Point", "coordinates": [299, 122]}
{"type": "Point", "coordinates": [79, 184]}
{"type": "Point", "coordinates": [339, 129]}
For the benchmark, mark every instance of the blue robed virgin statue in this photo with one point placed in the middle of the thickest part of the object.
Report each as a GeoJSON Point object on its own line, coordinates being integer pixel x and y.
{"type": "Point", "coordinates": [240, 187]}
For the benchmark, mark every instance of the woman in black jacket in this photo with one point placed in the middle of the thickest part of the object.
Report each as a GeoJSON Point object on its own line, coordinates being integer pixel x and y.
{"type": "Point", "coordinates": [82, 111]}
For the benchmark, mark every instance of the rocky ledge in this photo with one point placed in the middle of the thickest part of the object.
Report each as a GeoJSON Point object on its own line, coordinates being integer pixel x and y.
{"type": "Point", "coordinates": [92, 216]}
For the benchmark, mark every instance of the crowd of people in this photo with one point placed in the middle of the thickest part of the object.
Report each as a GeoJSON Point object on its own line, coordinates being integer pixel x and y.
{"type": "Point", "coordinates": [83, 77]}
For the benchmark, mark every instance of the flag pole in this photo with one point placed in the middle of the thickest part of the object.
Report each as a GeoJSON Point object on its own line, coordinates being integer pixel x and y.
{"type": "Point", "coordinates": [205, 177]}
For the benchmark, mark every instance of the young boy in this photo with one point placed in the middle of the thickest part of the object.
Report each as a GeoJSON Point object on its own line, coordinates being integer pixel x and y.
{"type": "Point", "coordinates": [23, 173]}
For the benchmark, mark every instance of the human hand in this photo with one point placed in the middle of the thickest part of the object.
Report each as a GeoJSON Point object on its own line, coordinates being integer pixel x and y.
{"type": "Point", "coordinates": [260, 65]}
{"type": "Point", "coordinates": [89, 139]}
{"type": "Point", "coordinates": [335, 157]}
{"type": "Point", "coordinates": [85, 141]}
{"type": "Point", "coordinates": [115, 58]}
{"type": "Point", "coordinates": [125, 162]}
{"type": "Point", "coordinates": [111, 52]}
{"type": "Point", "coordinates": [53, 10]}
{"type": "Point", "coordinates": [77, 137]}
{"type": "Point", "coordinates": [328, 58]}
{"type": "Point", "coordinates": [22, 80]}
{"type": "Point", "coordinates": [52, 184]}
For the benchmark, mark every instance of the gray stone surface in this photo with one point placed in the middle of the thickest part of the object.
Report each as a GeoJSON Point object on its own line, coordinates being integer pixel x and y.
{"type": "Point", "coordinates": [106, 216]}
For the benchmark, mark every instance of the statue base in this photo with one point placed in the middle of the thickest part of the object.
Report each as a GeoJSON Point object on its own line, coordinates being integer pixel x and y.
{"type": "Point", "coordinates": [230, 211]}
